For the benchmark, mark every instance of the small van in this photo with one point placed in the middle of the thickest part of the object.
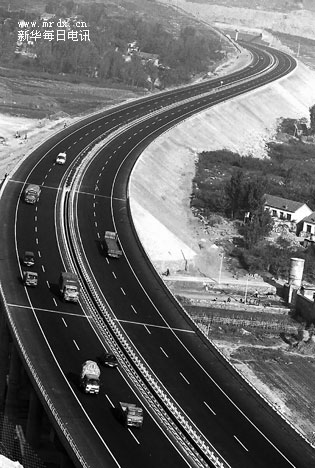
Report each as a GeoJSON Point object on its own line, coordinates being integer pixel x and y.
{"type": "Point", "coordinates": [29, 258]}
{"type": "Point", "coordinates": [61, 158]}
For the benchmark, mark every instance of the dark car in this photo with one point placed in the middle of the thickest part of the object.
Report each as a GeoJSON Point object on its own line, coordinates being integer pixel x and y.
{"type": "Point", "coordinates": [108, 360]}
{"type": "Point", "coordinates": [29, 258]}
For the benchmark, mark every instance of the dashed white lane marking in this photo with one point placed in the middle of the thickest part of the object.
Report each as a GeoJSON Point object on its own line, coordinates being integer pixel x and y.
{"type": "Point", "coordinates": [241, 443]}
{"type": "Point", "coordinates": [182, 375]}
{"type": "Point", "coordinates": [39, 254]}
{"type": "Point", "coordinates": [48, 285]}
{"type": "Point", "coordinates": [123, 291]}
{"type": "Point", "coordinates": [147, 329]}
{"type": "Point", "coordinates": [133, 435]}
{"type": "Point", "coordinates": [55, 302]}
{"type": "Point", "coordinates": [114, 275]}
{"type": "Point", "coordinates": [210, 408]}
{"type": "Point", "coordinates": [76, 345]}
{"type": "Point", "coordinates": [133, 309]}
{"type": "Point", "coordinates": [165, 354]}
{"type": "Point", "coordinates": [110, 401]}
{"type": "Point", "coordinates": [64, 322]}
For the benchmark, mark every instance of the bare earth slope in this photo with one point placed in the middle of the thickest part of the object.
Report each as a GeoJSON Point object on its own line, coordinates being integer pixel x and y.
{"type": "Point", "coordinates": [161, 183]}
{"type": "Point", "coordinates": [299, 22]}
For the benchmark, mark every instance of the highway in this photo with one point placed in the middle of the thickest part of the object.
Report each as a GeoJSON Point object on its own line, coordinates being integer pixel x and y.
{"type": "Point", "coordinates": [58, 337]}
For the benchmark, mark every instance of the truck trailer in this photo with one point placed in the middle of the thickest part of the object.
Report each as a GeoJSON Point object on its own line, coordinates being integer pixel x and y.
{"type": "Point", "coordinates": [69, 286]}
{"type": "Point", "coordinates": [132, 414]}
{"type": "Point", "coordinates": [32, 193]}
{"type": "Point", "coordinates": [90, 377]}
{"type": "Point", "coordinates": [112, 244]}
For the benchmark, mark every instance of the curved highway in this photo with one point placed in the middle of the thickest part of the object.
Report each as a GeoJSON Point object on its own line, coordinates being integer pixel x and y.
{"type": "Point", "coordinates": [58, 337]}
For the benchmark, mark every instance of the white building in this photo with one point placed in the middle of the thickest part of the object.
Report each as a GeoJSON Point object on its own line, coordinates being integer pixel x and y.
{"type": "Point", "coordinates": [286, 210]}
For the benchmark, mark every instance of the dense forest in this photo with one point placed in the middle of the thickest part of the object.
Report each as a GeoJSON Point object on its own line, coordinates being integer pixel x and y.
{"type": "Point", "coordinates": [104, 55]}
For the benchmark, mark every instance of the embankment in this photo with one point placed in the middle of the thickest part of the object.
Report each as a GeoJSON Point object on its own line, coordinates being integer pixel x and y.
{"type": "Point", "coordinates": [161, 181]}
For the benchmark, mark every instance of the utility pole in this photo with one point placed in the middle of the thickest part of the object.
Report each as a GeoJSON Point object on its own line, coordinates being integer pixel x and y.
{"type": "Point", "coordinates": [245, 298]}
{"type": "Point", "coordinates": [220, 270]}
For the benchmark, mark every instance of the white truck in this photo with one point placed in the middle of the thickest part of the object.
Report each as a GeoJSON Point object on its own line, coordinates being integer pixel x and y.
{"type": "Point", "coordinates": [69, 286]}
{"type": "Point", "coordinates": [112, 244]}
{"type": "Point", "coordinates": [30, 278]}
{"type": "Point", "coordinates": [132, 414]}
{"type": "Point", "coordinates": [90, 377]}
{"type": "Point", "coordinates": [61, 158]}
{"type": "Point", "coordinates": [32, 193]}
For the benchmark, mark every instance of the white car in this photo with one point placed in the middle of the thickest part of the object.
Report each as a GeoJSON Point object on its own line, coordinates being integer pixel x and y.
{"type": "Point", "coordinates": [61, 158]}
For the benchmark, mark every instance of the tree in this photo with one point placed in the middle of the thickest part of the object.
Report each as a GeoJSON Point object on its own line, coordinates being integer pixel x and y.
{"type": "Point", "coordinates": [234, 191]}
{"type": "Point", "coordinates": [254, 191]}
{"type": "Point", "coordinates": [258, 228]}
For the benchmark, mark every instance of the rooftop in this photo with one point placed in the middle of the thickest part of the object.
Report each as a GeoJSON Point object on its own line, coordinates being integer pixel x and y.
{"type": "Point", "coordinates": [310, 218]}
{"type": "Point", "coordinates": [282, 203]}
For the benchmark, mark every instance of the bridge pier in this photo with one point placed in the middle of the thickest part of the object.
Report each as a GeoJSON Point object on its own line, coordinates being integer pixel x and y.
{"type": "Point", "coordinates": [4, 359]}
{"type": "Point", "coordinates": [34, 420]}
{"type": "Point", "coordinates": [11, 409]}
{"type": "Point", "coordinates": [26, 433]}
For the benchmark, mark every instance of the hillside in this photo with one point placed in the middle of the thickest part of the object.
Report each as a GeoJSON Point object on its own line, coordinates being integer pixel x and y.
{"type": "Point", "coordinates": [274, 15]}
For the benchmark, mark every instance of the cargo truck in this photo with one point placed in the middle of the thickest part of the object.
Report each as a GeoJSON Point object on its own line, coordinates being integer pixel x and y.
{"type": "Point", "coordinates": [69, 286]}
{"type": "Point", "coordinates": [30, 278]}
{"type": "Point", "coordinates": [112, 244]}
{"type": "Point", "coordinates": [32, 193]}
{"type": "Point", "coordinates": [132, 414]}
{"type": "Point", "coordinates": [90, 377]}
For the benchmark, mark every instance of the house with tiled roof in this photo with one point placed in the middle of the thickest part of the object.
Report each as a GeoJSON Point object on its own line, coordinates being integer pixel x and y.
{"type": "Point", "coordinates": [286, 210]}
{"type": "Point", "coordinates": [308, 226]}
{"type": "Point", "coordinates": [287, 214]}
